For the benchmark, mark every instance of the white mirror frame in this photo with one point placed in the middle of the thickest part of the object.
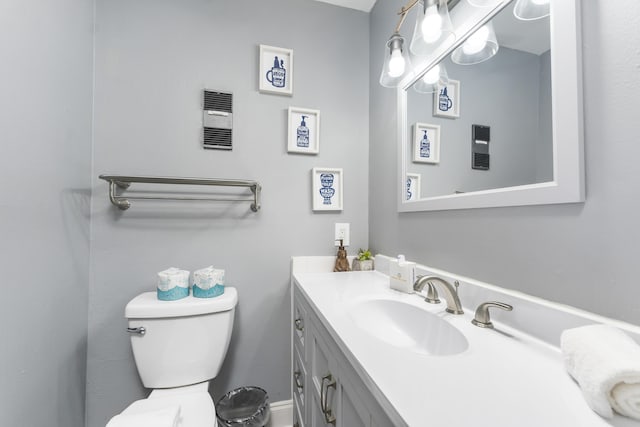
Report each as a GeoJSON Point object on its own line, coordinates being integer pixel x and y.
{"type": "Point", "coordinates": [568, 146]}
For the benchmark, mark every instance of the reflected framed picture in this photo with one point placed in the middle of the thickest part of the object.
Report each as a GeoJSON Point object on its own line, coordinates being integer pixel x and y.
{"type": "Point", "coordinates": [426, 143]}
{"type": "Point", "coordinates": [303, 131]}
{"type": "Point", "coordinates": [276, 70]}
{"type": "Point", "coordinates": [446, 100]}
{"type": "Point", "coordinates": [326, 189]}
{"type": "Point", "coordinates": [412, 187]}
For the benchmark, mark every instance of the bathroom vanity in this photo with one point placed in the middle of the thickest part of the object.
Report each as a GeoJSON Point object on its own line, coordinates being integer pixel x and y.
{"type": "Point", "coordinates": [327, 390]}
{"type": "Point", "coordinates": [366, 355]}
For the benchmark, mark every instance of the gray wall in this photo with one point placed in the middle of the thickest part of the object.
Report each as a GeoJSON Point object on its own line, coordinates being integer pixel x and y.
{"type": "Point", "coordinates": [45, 117]}
{"type": "Point", "coordinates": [153, 58]}
{"type": "Point", "coordinates": [503, 93]}
{"type": "Point", "coordinates": [583, 254]}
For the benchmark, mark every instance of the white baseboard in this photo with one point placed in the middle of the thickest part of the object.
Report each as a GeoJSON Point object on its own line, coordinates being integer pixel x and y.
{"type": "Point", "coordinates": [281, 414]}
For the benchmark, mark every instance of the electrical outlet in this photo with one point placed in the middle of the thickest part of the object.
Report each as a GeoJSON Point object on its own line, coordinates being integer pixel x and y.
{"type": "Point", "coordinates": [342, 232]}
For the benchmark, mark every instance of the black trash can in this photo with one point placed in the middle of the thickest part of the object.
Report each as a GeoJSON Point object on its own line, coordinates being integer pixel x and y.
{"type": "Point", "coordinates": [244, 406]}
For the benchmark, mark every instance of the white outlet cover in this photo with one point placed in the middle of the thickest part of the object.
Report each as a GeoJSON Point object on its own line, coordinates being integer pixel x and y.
{"type": "Point", "coordinates": [342, 232]}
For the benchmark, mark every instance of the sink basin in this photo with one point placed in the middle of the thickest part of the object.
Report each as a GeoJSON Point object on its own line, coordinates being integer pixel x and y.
{"type": "Point", "coordinates": [409, 327]}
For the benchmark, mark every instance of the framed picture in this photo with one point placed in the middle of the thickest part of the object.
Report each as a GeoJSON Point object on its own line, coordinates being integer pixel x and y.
{"type": "Point", "coordinates": [426, 143]}
{"type": "Point", "coordinates": [276, 70]}
{"type": "Point", "coordinates": [303, 131]}
{"type": "Point", "coordinates": [412, 187]}
{"type": "Point", "coordinates": [446, 100]}
{"type": "Point", "coordinates": [326, 189]}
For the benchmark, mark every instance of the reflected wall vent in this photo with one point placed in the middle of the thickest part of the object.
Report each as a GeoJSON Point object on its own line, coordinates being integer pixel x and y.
{"type": "Point", "coordinates": [480, 161]}
{"type": "Point", "coordinates": [480, 136]}
{"type": "Point", "coordinates": [217, 120]}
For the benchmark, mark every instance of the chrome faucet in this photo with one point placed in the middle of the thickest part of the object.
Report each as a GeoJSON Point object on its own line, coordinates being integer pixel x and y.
{"type": "Point", "coordinates": [450, 292]}
{"type": "Point", "coordinates": [482, 318]}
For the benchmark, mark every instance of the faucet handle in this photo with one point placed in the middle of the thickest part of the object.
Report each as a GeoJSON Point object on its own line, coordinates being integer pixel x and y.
{"type": "Point", "coordinates": [482, 317]}
{"type": "Point", "coordinates": [432, 294]}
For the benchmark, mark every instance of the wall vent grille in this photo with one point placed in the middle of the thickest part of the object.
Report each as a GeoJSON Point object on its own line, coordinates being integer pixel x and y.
{"type": "Point", "coordinates": [217, 119]}
{"type": "Point", "coordinates": [218, 101]}
{"type": "Point", "coordinates": [217, 138]}
{"type": "Point", "coordinates": [480, 161]}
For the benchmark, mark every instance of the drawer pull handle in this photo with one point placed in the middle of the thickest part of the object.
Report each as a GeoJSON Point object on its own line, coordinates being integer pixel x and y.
{"type": "Point", "coordinates": [296, 376]}
{"type": "Point", "coordinates": [324, 399]}
{"type": "Point", "coordinates": [299, 324]}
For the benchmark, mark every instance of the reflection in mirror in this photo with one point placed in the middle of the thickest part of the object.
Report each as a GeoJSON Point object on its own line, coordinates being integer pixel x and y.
{"type": "Point", "coordinates": [490, 126]}
{"type": "Point", "coordinates": [564, 175]}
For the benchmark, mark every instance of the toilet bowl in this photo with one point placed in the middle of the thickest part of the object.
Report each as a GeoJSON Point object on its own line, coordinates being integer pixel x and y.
{"type": "Point", "coordinates": [178, 347]}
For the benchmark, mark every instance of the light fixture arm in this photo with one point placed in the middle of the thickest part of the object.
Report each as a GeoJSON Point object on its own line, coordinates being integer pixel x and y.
{"type": "Point", "coordinates": [427, 3]}
{"type": "Point", "coordinates": [403, 13]}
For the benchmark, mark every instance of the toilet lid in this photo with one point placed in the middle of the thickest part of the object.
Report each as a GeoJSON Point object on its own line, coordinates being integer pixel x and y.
{"type": "Point", "coordinates": [196, 409]}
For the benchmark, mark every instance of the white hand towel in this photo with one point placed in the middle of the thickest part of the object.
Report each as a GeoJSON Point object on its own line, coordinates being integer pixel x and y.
{"type": "Point", "coordinates": [167, 417]}
{"type": "Point", "coordinates": [626, 400]}
{"type": "Point", "coordinates": [606, 364]}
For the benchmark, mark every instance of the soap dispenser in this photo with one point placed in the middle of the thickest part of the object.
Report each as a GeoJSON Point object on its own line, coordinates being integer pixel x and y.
{"type": "Point", "coordinates": [402, 274]}
{"type": "Point", "coordinates": [342, 263]}
{"type": "Point", "coordinates": [302, 132]}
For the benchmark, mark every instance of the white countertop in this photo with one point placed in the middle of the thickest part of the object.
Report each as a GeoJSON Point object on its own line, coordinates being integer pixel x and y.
{"type": "Point", "coordinates": [505, 378]}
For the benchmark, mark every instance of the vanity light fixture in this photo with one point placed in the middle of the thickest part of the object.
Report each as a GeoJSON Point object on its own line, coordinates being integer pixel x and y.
{"type": "Point", "coordinates": [482, 45]}
{"type": "Point", "coordinates": [428, 83]}
{"type": "Point", "coordinates": [396, 62]}
{"type": "Point", "coordinates": [433, 26]}
{"type": "Point", "coordinates": [529, 10]}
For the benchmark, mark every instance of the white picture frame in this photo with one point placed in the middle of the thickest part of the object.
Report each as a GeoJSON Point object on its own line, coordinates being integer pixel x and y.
{"type": "Point", "coordinates": [303, 131]}
{"type": "Point", "coordinates": [276, 80]}
{"type": "Point", "coordinates": [446, 100]}
{"type": "Point", "coordinates": [326, 189]}
{"type": "Point", "coordinates": [429, 151]}
{"type": "Point", "coordinates": [412, 187]}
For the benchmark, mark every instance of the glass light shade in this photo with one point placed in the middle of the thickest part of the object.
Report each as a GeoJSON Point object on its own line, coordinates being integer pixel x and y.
{"type": "Point", "coordinates": [481, 46]}
{"type": "Point", "coordinates": [396, 62]}
{"type": "Point", "coordinates": [529, 10]}
{"type": "Point", "coordinates": [433, 27]}
{"type": "Point", "coordinates": [429, 82]}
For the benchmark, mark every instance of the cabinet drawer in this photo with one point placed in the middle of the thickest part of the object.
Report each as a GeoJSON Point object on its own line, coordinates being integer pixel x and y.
{"type": "Point", "coordinates": [300, 320]}
{"type": "Point", "coordinates": [299, 381]}
{"type": "Point", "coordinates": [321, 362]}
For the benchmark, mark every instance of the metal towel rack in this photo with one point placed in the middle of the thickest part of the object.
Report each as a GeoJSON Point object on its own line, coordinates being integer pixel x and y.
{"type": "Point", "coordinates": [123, 182]}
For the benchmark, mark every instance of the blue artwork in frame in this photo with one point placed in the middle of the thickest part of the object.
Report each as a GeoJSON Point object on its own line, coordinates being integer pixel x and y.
{"type": "Point", "coordinates": [276, 70]}
{"type": "Point", "coordinates": [326, 189]}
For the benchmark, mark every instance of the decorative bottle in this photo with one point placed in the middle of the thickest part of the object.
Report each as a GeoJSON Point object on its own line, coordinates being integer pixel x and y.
{"type": "Point", "coordinates": [303, 134]}
{"type": "Point", "coordinates": [425, 146]}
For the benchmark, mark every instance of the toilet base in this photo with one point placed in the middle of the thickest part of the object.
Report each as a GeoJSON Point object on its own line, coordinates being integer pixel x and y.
{"type": "Point", "coordinates": [196, 406]}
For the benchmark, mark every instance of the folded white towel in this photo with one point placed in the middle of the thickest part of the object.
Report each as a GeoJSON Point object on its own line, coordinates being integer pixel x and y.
{"type": "Point", "coordinates": [626, 400]}
{"type": "Point", "coordinates": [167, 417]}
{"type": "Point", "coordinates": [606, 364]}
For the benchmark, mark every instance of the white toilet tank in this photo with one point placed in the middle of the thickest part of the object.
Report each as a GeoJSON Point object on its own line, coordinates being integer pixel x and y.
{"type": "Point", "coordinates": [184, 341]}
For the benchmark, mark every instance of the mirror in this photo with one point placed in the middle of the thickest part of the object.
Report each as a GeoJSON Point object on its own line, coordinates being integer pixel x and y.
{"type": "Point", "coordinates": [506, 131]}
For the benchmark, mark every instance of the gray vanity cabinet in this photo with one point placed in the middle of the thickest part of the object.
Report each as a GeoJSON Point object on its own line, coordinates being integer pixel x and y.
{"type": "Point", "coordinates": [327, 391]}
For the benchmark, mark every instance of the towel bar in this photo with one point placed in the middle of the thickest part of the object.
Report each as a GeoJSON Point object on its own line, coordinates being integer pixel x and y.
{"type": "Point", "coordinates": [124, 182]}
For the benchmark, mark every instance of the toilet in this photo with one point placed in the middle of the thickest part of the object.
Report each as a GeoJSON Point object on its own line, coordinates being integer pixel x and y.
{"type": "Point", "coordinates": [178, 347]}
